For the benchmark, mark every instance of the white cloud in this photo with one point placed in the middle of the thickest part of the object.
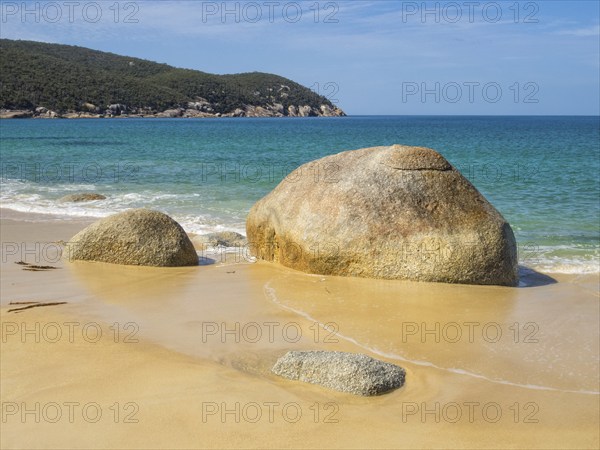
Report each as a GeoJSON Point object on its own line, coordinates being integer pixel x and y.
{"type": "Point", "coordinates": [581, 32]}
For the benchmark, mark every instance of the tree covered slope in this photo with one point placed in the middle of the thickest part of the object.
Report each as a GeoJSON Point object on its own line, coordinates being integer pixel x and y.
{"type": "Point", "coordinates": [64, 78]}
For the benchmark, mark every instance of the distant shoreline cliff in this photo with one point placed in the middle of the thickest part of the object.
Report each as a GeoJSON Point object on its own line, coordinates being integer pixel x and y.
{"type": "Point", "coordinates": [40, 80]}
{"type": "Point", "coordinates": [178, 113]}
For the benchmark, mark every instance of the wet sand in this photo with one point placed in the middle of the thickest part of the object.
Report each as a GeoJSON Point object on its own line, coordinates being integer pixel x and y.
{"type": "Point", "coordinates": [180, 358]}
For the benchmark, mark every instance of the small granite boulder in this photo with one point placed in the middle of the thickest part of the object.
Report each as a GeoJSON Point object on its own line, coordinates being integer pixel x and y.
{"type": "Point", "coordinates": [138, 237]}
{"type": "Point", "coordinates": [345, 372]}
{"type": "Point", "coordinates": [83, 197]}
{"type": "Point", "coordinates": [221, 239]}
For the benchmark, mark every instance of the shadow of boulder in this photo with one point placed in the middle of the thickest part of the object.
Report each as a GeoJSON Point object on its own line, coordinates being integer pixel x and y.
{"type": "Point", "coordinates": [529, 277]}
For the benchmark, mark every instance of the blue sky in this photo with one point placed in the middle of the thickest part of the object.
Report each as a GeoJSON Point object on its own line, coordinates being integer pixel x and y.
{"type": "Point", "coordinates": [371, 57]}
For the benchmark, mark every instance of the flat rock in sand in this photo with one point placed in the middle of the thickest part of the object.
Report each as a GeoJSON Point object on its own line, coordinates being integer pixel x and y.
{"type": "Point", "coordinates": [345, 372]}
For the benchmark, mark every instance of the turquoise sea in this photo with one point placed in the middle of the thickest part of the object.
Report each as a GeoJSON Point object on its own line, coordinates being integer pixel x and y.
{"type": "Point", "coordinates": [541, 173]}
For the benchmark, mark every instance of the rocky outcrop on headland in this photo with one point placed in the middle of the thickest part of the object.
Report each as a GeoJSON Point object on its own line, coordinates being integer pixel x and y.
{"type": "Point", "coordinates": [198, 110]}
{"type": "Point", "coordinates": [385, 212]}
{"type": "Point", "coordinates": [138, 237]}
{"type": "Point", "coordinates": [15, 114]}
{"type": "Point", "coordinates": [345, 372]}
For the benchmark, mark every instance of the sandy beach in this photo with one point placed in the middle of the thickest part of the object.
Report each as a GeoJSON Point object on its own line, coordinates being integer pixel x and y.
{"type": "Point", "coordinates": [180, 358]}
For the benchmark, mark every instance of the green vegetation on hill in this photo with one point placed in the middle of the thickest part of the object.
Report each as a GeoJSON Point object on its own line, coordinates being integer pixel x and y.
{"type": "Point", "coordinates": [63, 78]}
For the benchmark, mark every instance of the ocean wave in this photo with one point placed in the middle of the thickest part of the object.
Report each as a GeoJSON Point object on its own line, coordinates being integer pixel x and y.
{"type": "Point", "coordinates": [566, 259]}
{"type": "Point", "coordinates": [574, 267]}
{"type": "Point", "coordinates": [27, 197]}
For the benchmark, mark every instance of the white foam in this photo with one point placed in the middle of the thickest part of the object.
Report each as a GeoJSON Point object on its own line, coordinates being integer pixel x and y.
{"type": "Point", "coordinates": [546, 259]}
{"type": "Point", "coordinates": [569, 267]}
{"type": "Point", "coordinates": [272, 295]}
{"type": "Point", "coordinates": [28, 197]}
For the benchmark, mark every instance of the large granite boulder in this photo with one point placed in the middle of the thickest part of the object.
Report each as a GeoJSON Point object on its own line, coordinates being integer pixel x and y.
{"type": "Point", "coordinates": [138, 237]}
{"type": "Point", "coordinates": [385, 212]}
{"type": "Point", "coordinates": [345, 372]}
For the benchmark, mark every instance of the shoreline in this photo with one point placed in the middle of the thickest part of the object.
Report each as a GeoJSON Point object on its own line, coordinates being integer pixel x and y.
{"type": "Point", "coordinates": [547, 364]}
{"type": "Point", "coordinates": [533, 275]}
{"type": "Point", "coordinates": [154, 116]}
{"type": "Point", "coordinates": [176, 113]}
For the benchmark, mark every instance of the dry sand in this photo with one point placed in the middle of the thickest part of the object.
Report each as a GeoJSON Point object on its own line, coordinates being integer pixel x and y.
{"type": "Point", "coordinates": [180, 358]}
